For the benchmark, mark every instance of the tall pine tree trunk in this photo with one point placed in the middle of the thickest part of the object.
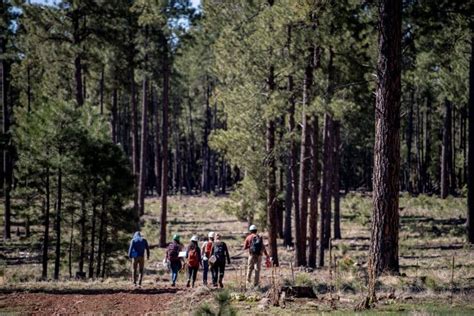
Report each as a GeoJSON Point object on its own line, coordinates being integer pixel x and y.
{"type": "Point", "coordinates": [446, 155]}
{"type": "Point", "coordinates": [101, 238]}
{"type": "Point", "coordinates": [271, 177]}
{"type": "Point", "coordinates": [409, 142]}
{"type": "Point", "coordinates": [314, 189]}
{"type": "Point", "coordinates": [205, 185]}
{"type": "Point", "coordinates": [157, 146]}
{"type": "Point", "coordinates": [114, 116]}
{"type": "Point", "coordinates": [143, 149]}
{"type": "Point", "coordinates": [101, 91]}
{"type": "Point", "coordinates": [82, 251]}
{"type": "Point", "coordinates": [326, 187]}
{"type": "Point", "coordinates": [383, 253]}
{"type": "Point", "coordinates": [7, 159]}
{"type": "Point", "coordinates": [336, 179]}
{"type": "Point", "coordinates": [288, 239]}
{"type": "Point", "coordinates": [164, 172]}
{"type": "Point", "coordinates": [470, 166]}
{"type": "Point", "coordinates": [93, 228]}
{"type": "Point", "coordinates": [425, 178]}
{"type": "Point", "coordinates": [47, 203]}
{"type": "Point", "coordinates": [134, 132]}
{"type": "Point", "coordinates": [271, 192]}
{"type": "Point", "coordinates": [57, 259]}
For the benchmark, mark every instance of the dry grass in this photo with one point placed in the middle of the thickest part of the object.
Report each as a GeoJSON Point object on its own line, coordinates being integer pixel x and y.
{"type": "Point", "coordinates": [429, 239]}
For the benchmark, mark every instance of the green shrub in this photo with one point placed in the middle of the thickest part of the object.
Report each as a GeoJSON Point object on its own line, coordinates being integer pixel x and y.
{"type": "Point", "coordinates": [224, 308]}
{"type": "Point", "coordinates": [303, 279]}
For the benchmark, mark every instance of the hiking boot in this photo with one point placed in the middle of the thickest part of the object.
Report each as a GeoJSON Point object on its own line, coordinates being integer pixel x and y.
{"type": "Point", "coordinates": [214, 284]}
{"type": "Point", "coordinates": [188, 283]}
{"type": "Point", "coordinates": [173, 284]}
{"type": "Point", "coordinates": [221, 285]}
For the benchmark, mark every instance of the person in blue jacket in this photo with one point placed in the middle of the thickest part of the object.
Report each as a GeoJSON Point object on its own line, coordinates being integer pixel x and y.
{"type": "Point", "coordinates": [136, 252]}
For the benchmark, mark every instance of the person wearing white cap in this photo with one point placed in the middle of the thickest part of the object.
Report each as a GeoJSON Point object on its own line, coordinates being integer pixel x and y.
{"type": "Point", "coordinates": [254, 243]}
{"type": "Point", "coordinates": [206, 250]}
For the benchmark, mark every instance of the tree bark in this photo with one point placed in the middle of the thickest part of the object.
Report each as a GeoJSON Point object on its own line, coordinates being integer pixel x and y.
{"type": "Point", "coordinates": [336, 179]}
{"type": "Point", "coordinates": [143, 150]}
{"type": "Point", "coordinates": [71, 244]}
{"type": "Point", "coordinates": [7, 159]}
{"type": "Point", "coordinates": [114, 116]}
{"type": "Point", "coordinates": [326, 188]}
{"type": "Point", "coordinates": [314, 189]}
{"type": "Point", "coordinates": [271, 193]}
{"type": "Point", "coordinates": [383, 252]}
{"type": "Point", "coordinates": [101, 238]}
{"type": "Point", "coordinates": [157, 146]}
{"type": "Point", "coordinates": [303, 192]}
{"type": "Point", "coordinates": [426, 146]}
{"type": "Point", "coordinates": [288, 240]}
{"type": "Point", "coordinates": [82, 251]}
{"type": "Point", "coordinates": [101, 92]}
{"type": "Point", "coordinates": [409, 142]}
{"type": "Point", "coordinates": [47, 203]}
{"type": "Point", "coordinates": [177, 185]}
{"type": "Point", "coordinates": [92, 247]}
{"type": "Point", "coordinates": [57, 260]}
{"type": "Point", "coordinates": [271, 177]}
{"type": "Point", "coordinates": [205, 186]}
{"type": "Point", "coordinates": [164, 173]}
{"type": "Point", "coordinates": [134, 131]}
{"type": "Point", "coordinates": [446, 153]}
{"type": "Point", "coordinates": [470, 166]}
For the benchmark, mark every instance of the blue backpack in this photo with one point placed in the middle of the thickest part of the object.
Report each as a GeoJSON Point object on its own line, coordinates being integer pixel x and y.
{"type": "Point", "coordinates": [138, 248]}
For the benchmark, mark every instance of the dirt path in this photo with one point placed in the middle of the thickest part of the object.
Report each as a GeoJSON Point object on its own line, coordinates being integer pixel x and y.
{"type": "Point", "coordinates": [56, 304]}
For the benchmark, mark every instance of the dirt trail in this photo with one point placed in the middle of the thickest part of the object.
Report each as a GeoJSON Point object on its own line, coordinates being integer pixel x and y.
{"type": "Point", "coordinates": [55, 304]}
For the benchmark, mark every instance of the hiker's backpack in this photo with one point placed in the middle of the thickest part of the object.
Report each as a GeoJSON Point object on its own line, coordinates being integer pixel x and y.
{"type": "Point", "coordinates": [193, 257]}
{"type": "Point", "coordinates": [219, 251]}
{"type": "Point", "coordinates": [208, 249]}
{"type": "Point", "coordinates": [173, 252]}
{"type": "Point", "coordinates": [256, 245]}
{"type": "Point", "coordinates": [138, 247]}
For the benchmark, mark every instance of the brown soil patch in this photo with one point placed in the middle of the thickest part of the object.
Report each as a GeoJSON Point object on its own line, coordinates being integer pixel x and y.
{"type": "Point", "coordinates": [60, 304]}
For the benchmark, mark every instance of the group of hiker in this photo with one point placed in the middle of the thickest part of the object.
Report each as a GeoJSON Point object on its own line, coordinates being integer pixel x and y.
{"type": "Point", "coordinates": [212, 255]}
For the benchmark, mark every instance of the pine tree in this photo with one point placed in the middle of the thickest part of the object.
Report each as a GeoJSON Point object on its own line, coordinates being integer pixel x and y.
{"type": "Point", "coordinates": [383, 255]}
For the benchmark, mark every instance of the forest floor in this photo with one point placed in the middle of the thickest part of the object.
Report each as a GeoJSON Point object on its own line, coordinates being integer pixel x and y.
{"type": "Point", "coordinates": [437, 268]}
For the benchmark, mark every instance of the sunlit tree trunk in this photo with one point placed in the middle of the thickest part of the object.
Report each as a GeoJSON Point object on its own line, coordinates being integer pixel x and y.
{"type": "Point", "coordinates": [383, 251]}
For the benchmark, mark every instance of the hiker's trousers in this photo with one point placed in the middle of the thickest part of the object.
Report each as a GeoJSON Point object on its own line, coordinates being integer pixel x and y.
{"type": "Point", "coordinates": [192, 274]}
{"type": "Point", "coordinates": [254, 263]}
{"type": "Point", "coordinates": [175, 267]}
{"type": "Point", "coordinates": [138, 264]}
{"type": "Point", "coordinates": [205, 269]}
{"type": "Point", "coordinates": [218, 269]}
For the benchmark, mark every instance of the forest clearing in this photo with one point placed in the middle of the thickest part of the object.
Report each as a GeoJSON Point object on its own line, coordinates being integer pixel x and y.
{"type": "Point", "coordinates": [430, 238]}
{"type": "Point", "coordinates": [223, 157]}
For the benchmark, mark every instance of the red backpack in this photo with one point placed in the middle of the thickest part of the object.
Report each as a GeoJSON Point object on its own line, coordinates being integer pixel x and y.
{"type": "Point", "coordinates": [208, 249]}
{"type": "Point", "coordinates": [193, 257]}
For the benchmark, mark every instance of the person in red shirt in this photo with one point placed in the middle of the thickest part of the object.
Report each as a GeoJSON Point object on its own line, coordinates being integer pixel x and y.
{"type": "Point", "coordinates": [254, 243]}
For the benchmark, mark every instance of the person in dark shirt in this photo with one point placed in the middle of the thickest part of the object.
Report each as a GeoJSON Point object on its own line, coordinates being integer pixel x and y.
{"type": "Point", "coordinates": [219, 255]}
{"type": "Point", "coordinates": [173, 258]}
{"type": "Point", "coordinates": [136, 252]}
